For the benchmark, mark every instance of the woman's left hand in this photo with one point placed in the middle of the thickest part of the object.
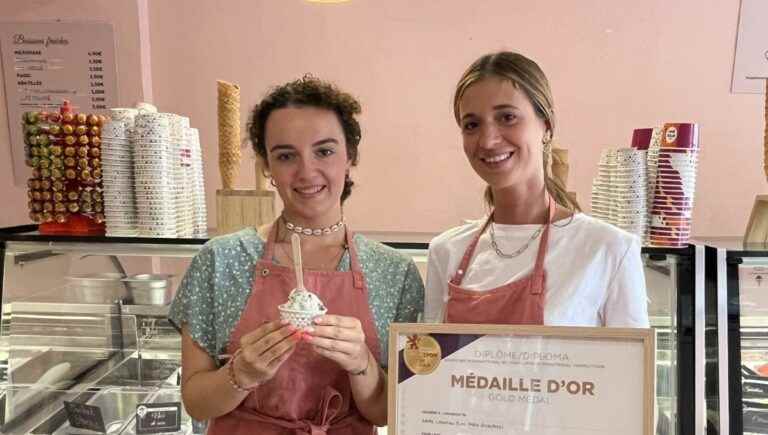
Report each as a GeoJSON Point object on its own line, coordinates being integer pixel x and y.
{"type": "Point", "coordinates": [341, 339]}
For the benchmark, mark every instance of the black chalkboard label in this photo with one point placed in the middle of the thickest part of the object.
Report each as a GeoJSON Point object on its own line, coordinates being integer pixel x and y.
{"type": "Point", "coordinates": [84, 416]}
{"type": "Point", "coordinates": [158, 417]}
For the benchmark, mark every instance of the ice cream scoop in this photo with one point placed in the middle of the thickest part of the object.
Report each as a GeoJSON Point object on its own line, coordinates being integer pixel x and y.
{"type": "Point", "coordinates": [301, 308]}
{"type": "Point", "coordinates": [304, 300]}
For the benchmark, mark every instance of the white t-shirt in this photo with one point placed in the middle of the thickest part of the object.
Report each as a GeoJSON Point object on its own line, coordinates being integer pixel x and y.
{"type": "Point", "coordinates": [594, 270]}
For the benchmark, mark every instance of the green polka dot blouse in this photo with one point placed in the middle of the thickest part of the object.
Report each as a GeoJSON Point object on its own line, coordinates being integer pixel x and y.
{"type": "Point", "coordinates": [215, 288]}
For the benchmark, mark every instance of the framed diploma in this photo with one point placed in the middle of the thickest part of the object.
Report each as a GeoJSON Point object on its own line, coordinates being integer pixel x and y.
{"type": "Point", "coordinates": [452, 379]}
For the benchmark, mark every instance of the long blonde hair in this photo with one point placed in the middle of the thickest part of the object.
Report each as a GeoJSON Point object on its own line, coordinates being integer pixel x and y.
{"type": "Point", "coordinates": [527, 76]}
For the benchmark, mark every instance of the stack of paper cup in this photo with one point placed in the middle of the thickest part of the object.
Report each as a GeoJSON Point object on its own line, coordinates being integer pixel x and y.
{"type": "Point", "coordinates": [648, 139]}
{"type": "Point", "coordinates": [124, 114]}
{"type": "Point", "coordinates": [629, 182]}
{"type": "Point", "coordinates": [154, 175]}
{"type": "Point", "coordinates": [672, 206]}
{"type": "Point", "coordinates": [182, 195]}
{"type": "Point", "coordinates": [620, 188]}
{"type": "Point", "coordinates": [652, 165]}
{"type": "Point", "coordinates": [197, 186]}
{"type": "Point", "coordinates": [188, 210]}
{"type": "Point", "coordinates": [602, 198]}
{"type": "Point", "coordinates": [118, 178]}
{"type": "Point", "coordinates": [650, 193]}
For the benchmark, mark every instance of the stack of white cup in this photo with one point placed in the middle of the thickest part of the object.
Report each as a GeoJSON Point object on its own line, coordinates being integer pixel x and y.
{"type": "Point", "coordinates": [154, 175]}
{"type": "Point", "coordinates": [651, 164]}
{"type": "Point", "coordinates": [182, 194]}
{"type": "Point", "coordinates": [630, 187]}
{"type": "Point", "coordinates": [197, 185]}
{"type": "Point", "coordinates": [619, 192]}
{"type": "Point", "coordinates": [602, 199]}
{"type": "Point", "coordinates": [118, 178]}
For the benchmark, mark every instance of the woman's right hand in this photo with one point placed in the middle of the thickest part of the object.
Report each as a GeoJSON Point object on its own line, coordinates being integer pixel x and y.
{"type": "Point", "coordinates": [263, 351]}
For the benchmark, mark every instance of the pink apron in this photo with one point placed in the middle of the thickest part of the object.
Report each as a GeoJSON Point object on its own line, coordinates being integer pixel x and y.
{"type": "Point", "coordinates": [519, 302]}
{"type": "Point", "coordinates": [309, 394]}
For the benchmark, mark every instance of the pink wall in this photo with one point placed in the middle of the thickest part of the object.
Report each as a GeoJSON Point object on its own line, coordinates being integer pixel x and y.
{"type": "Point", "coordinates": [124, 16]}
{"type": "Point", "coordinates": [613, 67]}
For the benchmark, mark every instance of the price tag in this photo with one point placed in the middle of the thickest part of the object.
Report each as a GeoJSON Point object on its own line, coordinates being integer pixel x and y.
{"type": "Point", "coordinates": [84, 416]}
{"type": "Point", "coordinates": [158, 417]}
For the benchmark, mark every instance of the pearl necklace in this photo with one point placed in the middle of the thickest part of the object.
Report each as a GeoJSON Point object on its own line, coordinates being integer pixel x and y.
{"type": "Point", "coordinates": [314, 231]}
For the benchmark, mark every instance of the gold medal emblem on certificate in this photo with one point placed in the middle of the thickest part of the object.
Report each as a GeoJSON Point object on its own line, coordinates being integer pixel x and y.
{"type": "Point", "coordinates": [422, 354]}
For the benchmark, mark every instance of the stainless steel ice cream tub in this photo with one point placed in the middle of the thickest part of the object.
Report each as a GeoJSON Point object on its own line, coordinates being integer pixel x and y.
{"type": "Point", "coordinates": [96, 288]}
{"type": "Point", "coordinates": [149, 289]}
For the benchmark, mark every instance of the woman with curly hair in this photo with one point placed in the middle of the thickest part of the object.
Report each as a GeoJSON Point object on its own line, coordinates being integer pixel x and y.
{"type": "Point", "coordinates": [325, 379]}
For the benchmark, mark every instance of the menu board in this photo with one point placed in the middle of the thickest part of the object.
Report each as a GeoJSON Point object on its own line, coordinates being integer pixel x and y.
{"type": "Point", "coordinates": [45, 63]}
{"type": "Point", "coordinates": [451, 379]}
{"type": "Point", "coordinates": [750, 64]}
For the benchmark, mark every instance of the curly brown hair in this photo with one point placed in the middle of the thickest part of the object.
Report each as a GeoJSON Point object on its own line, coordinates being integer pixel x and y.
{"type": "Point", "coordinates": [313, 92]}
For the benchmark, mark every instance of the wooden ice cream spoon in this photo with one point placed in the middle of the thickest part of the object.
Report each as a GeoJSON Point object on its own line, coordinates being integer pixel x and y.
{"type": "Point", "coordinates": [297, 267]}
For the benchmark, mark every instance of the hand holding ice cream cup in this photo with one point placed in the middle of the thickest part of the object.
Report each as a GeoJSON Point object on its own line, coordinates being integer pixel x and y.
{"type": "Point", "coordinates": [339, 338]}
{"type": "Point", "coordinates": [262, 352]}
{"type": "Point", "coordinates": [302, 306]}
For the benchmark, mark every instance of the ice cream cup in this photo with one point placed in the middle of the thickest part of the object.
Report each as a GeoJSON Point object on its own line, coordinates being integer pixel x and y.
{"type": "Point", "coordinates": [299, 318]}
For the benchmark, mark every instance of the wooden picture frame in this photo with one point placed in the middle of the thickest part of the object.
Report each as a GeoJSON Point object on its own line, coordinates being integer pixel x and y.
{"type": "Point", "coordinates": [429, 362]}
{"type": "Point", "coordinates": [756, 232]}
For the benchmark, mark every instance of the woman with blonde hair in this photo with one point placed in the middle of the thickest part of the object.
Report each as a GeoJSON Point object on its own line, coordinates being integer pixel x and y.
{"type": "Point", "coordinates": [584, 273]}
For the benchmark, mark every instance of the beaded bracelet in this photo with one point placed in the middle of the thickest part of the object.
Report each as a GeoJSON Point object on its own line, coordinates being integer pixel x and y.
{"type": "Point", "coordinates": [233, 380]}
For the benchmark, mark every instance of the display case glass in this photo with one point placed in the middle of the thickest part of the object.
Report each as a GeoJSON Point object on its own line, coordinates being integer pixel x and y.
{"type": "Point", "coordinates": [737, 348]}
{"type": "Point", "coordinates": [77, 337]}
{"type": "Point", "coordinates": [85, 343]}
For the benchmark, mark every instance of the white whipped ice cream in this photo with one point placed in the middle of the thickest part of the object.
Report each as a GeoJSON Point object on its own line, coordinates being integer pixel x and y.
{"type": "Point", "coordinates": [303, 300]}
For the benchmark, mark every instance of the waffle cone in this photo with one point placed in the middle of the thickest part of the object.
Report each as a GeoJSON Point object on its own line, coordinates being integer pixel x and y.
{"type": "Point", "coordinates": [229, 132]}
{"type": "Point", "coordinates": [765, 134]}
